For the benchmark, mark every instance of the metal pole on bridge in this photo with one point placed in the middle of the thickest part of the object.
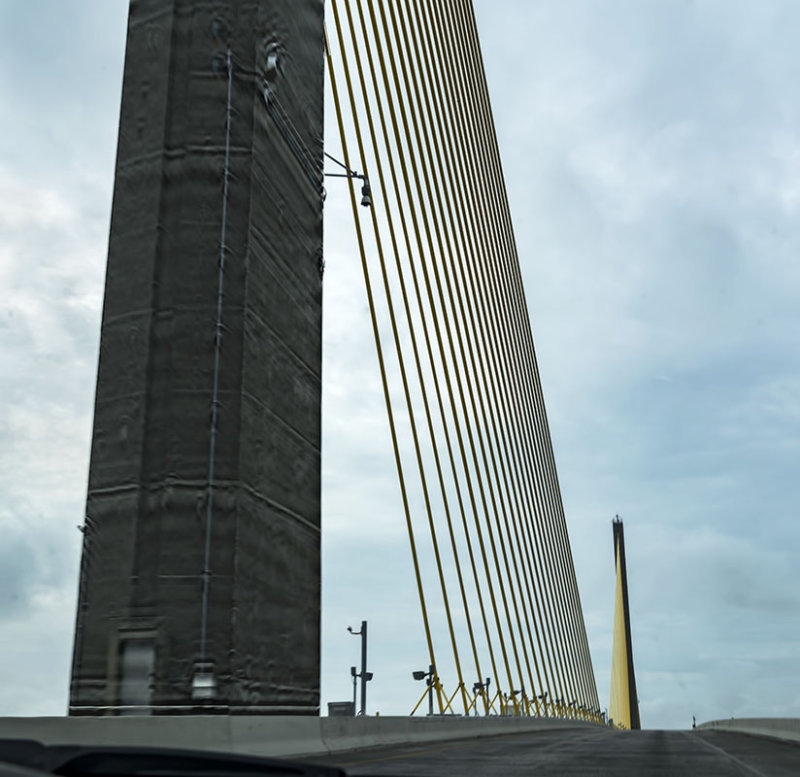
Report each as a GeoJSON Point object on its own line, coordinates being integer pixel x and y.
{"type": "Point", "coordinates": [364, 675]}
{"type": "Point", "coordinates": [363, 668]}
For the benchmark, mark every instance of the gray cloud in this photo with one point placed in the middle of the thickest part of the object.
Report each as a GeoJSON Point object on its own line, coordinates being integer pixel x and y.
{"type": "Point", "coordinates": [653, 164]}
{"type": "Point", "coordinates": [652, 174]}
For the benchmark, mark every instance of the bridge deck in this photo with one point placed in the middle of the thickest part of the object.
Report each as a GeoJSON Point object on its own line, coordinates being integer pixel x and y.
{"type": "Point", "coordinates": [585, 753]}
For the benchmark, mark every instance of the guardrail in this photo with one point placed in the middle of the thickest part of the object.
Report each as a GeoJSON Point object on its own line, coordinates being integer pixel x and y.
{"type": "Point", "coordinates": [273, 735]}
{"type": "Point", "coordinates": [787, 729]}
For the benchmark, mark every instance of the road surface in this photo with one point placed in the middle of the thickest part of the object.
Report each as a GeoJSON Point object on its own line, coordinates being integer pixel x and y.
{"type": "Point", "coordinates": [586, 753]}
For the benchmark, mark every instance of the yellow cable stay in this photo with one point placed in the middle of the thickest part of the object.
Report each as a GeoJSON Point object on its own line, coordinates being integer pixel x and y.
{"type": "Point", "coordinates": [489, 544]}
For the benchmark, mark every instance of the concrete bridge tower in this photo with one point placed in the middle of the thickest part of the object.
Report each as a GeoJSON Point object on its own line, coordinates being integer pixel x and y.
{"type": "Point", "coordinates": [624, 703]}
{"type": "Point", "coordinates": [199, 585]}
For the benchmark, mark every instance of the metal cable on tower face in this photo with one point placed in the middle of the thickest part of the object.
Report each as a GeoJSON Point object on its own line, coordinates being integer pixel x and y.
{"type": "Point", "coordinates": [203, 683]}
{"type": "Point", "coordinates": [461, 383]}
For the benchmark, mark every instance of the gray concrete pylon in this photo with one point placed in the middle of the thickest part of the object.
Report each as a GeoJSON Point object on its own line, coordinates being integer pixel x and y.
{"type": "Point", "coordinates": [138, 631]}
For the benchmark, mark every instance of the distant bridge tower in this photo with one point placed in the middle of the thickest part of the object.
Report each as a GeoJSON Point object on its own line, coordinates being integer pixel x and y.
{"type": "Point", "coordinates": [200, 578]}
{"type": "Point", "coordinates": [624, 706]}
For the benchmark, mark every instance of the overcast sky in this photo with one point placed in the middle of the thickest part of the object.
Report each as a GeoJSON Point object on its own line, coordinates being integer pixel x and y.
{"type": "Point", "coordinates": [652, 156]}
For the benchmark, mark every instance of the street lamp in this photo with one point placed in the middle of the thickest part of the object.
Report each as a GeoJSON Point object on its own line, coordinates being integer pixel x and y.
{"type": "Point", "coordinates": [480, 688]}
{"type": "Point", "coordinates": [366, 191]}
{"type": "Point", "coordinates": [422, 675]}
{"type": "Point", "coordinates": [364, 674]}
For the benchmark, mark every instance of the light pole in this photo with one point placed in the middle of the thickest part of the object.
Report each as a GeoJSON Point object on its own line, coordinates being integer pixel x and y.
{"type": "Point", "coordinates": [480, 688]}
{"type": "Point", "coordinates": [366, 191]}
{"type": "Point", "coordinates": [422, 675]}
{"type": "Point", "coordinates": [364, 674]}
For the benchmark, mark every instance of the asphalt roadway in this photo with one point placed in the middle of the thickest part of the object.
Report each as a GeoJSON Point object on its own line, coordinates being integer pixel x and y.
{"type": "Point", "coordinates": [583, 752]}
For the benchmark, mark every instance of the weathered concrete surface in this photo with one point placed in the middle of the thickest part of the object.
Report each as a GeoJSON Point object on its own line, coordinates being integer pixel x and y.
{"type": "Point", "coordinates": [779, 728]}
{"type": "Point", "coordinates": [583, 752]}
{"type": "Point", "coordinates": [273, 735]}
{"type": "Point", "coordinates": [144, 549]}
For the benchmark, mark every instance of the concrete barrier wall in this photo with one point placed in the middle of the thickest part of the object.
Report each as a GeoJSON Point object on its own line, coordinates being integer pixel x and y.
{"type": "Point", "coordinates": [787, 729]}
{"type": "Point", "coordinates": [278, 736]}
